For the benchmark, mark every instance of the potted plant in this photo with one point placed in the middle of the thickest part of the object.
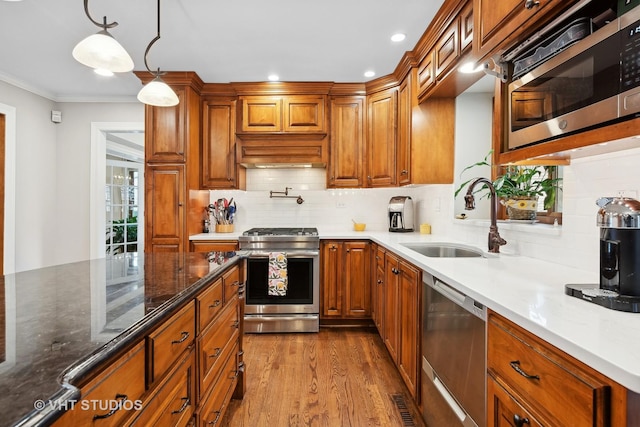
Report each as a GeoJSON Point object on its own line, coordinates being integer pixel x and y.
{"type": "Point", "coordinates": [520, 187]}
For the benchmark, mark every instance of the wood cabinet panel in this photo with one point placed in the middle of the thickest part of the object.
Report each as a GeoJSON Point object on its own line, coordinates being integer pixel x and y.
{"type": "Point", "coordinates": [231, 280]}
{"type": "Point", "coordinates": [214, 245]}
{"type": "Point", "coordinates": [377, 286]}
{"type": "Point", "coordinates": [409, 297]}
{"type": "Point", "coordinates": [503, 411]}
{"type": "Point", "coordinates": [215, 404]}
{"type": "Point", "coordinates": [219, 168]}
{"type": "Point", "coordinates": [261, 114]}
{"type": "Point", "coordinates": [169, 341]}
{"type": "Point", "coordinates": [406, 94]}
{"type": "Point", "coordinates": [165, 189]}
{"type": "Point", "coordinates": [209, 304]}
{"type": "Point", "coordinates": [466, 26]}
{"type": "Point", "coordinates": [165, 139]}
{"type": "Point", "coordinates": [391, 324]}
{"type": "Point", "coordinates": [426, 74]}
{"type": "Point", "coordinates": [113, 395]}
{"type": "Point", "coordinates": [382, 110]}
{"type": "Point", "coordinates": [346, 158]}
{"type": "Point", "coordinates": [447, 49]}
{"type": "Point", "coordinates": [331, 279]}
{"type": "Point", "coordinates": [303, 113]}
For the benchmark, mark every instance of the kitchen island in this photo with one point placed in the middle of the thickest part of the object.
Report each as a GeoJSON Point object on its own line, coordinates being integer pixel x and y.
{"type": "Point", "coordinates": [64, 323]}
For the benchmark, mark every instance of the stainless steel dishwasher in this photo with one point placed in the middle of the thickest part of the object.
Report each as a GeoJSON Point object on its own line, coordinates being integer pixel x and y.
{"type": "Point", "coordinates": [453, 356]}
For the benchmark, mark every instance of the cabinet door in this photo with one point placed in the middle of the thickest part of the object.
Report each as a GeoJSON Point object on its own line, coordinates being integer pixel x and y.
{"type": "Point", "coordinates": [405, 105]}
{"type": "Point", "coordinates": [466, 26]}
{"type": "Point", "coordinates": [381, 138]}
{"type": "Point", "coordinates": [409, 293]}
{"type": "Point", "coordinates": [165, 131]}
{"type": "Point", "coordinates": [218, 144]}
{"type": "Point", "coordinates": [303, 113]}
{"type": "Point", "coordinates": [391, 324]}
{"type": "Point", "coordinates": [347, 142]}
{"type": "Point", "coordinates": [164, 199]}
{"type": "Point", "coordinates": [378, 289]}
{"type": "Point", "coordinates": [331, 273]}
{"type": "Point", "coordinates": [447, 49]}
{"type": "Point", "coordinates": [356, 279]}
{"type": "Point", "coordinates": [504, 411]}
{"type": "Point", "coordinates": [426, 74]}
{"type": "Point", "coordinates": [261, 114]}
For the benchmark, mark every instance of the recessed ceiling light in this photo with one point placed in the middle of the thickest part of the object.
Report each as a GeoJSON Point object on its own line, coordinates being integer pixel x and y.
{"type": "Point", "coordinates": [369, 73]}
{"type": "Point", "coordinates": [398, 37]}
{"type": "Point", "coordinates": [273, 77]}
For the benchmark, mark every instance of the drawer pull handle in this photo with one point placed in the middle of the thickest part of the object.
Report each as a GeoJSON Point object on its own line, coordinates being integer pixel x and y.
{"type": "Point", "coordinates": [519, 422]}
{"type": "Point", "coordinates": [122, 398]}
{"type": "Point", "coordinates": [240, 368]}
{"type": "Point", "coordinates": [215, 303]}
{"type": "Point", "coordinates": [214, 422]}
{"type": "Point", "coordinates": [530, 4]}
{"type": "Point", "coordinates": [516, 367]}
{"type": "Point", "coordinates": [236, 324]}
{"type": "Point", "coordinates": [185, 403]}
{"type": "Point", "coordinates": [236, 283]}
{"type": "Point", "coordinates": [185, 335]}
{"type": "Point", "coordinates": [216, 352]}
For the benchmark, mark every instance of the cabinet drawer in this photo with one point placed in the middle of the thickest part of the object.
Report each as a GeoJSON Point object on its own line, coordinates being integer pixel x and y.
{"type": "Point", "coordinates": [216, 344]}
{"type": "Point", "coordinates": [535, 370]}
{"type": "Point", "coordinates": [215, 405]}
{"type": "Point", "coordinates": [111, 396]}
{"type": "Point", "coordinates": [170, 340]}
{"type": "Point", "coordinates": [209, 304]}
{"type": "Point", "coordinates": [504, 411]}
{"type": "Point", "coordinates": [231, 281]}
{"type": "Point", "coordinates": [217, 246]}
{"type": "Point", "coordinates": [174, 403]}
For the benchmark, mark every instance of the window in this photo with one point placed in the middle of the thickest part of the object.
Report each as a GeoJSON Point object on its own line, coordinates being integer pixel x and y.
{"type": "Point", "coordinates": [122, 197]}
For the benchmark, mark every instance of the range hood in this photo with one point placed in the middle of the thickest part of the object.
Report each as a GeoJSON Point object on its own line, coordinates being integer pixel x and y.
{"type": "Point", "coordinates": [282, 151]}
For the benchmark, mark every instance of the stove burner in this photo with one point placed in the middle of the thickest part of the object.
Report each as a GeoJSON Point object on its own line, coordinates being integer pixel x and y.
{"type": "Point", "coordinates": [281, 231]}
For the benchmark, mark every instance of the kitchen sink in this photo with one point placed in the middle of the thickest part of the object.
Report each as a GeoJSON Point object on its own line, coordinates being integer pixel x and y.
{"type": "Point", "coordinates": [444, 250]}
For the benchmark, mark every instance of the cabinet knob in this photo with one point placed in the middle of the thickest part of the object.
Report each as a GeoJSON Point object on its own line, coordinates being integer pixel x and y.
{"type": "Point", "coordinates": [180, 204]}
{"type": "Point", "coordinates": [404, 172]}
{"type": "Point", "coordinates": [379, 282]}
{"type": "Point", "coordinates": [519, 421]}
{"type": "Point", "coordinates": [530, 4]}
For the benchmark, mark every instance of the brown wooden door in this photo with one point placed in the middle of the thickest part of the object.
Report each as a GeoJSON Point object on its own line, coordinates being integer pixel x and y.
{"type": "Point", "coordinates": [218, 143]}
{"type": "Point", "coordinates": [409, 292]}
{"type": "Point", "coordinates": [426, 74]}
{"type": "Point", "coordinates": [447, 49]}
{"type": "Point", "coordinates": [391, 324]}
{"type": "Point", "coordinates": [356, 279]}
{"type": "Point", "coordinates": [347, 142]}
{"type": "Point", "coordinates": [261, 114]}
{"type": "Point", "coordinates": [303, 113]}
{"type": "Point", "coordinates": [381, 138]}
{"type": "Point", "coordinates": [405, 105]}
{"type": "Point", "coordinates": [378, 288]}
{"type": "Point", "coordinates": [165, 200]}
{"type": "Point", "coordinates": [331, 290]}
{"type": "Point", "coordinates": [165, 139]}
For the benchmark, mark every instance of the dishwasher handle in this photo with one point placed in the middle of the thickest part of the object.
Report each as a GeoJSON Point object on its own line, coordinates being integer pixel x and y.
{"type": "Point", "coordinates": [464, 301]}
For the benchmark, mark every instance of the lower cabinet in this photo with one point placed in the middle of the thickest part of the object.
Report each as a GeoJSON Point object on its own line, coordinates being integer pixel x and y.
{"type": "Point", "coordinates": [345, 283]}
{"type": "Point", "coordinates": [377, 286]}
{"type": "Point", "coordinates": [213, 245]}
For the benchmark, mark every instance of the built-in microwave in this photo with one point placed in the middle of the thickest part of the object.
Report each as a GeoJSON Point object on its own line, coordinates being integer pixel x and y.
{"type": "Point", "coordinates": [593, 82]}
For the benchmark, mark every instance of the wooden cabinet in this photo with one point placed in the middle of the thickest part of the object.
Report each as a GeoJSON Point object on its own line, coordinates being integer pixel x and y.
{"type": "Point", "coordinates": [406, 94]}
{"type": "Point", "coordinates": [165, 127]}
{"type": "Point", "coordinates": [219, 167]}
{"type": "Point", "coordinates": [215, 404]}
{"type": "Point", "coordinates": [382, 108]}
{"type": "Point", "coordinates": [346, 158]}
{"type": "Point", "coordinates": [165, 190]}
{"type": "Point", "coordinates": [377, 286]}
{"type": "Point", "coordinates": [289, 113]}
{"type": "Point", "coordinates": [531, 379]}
{"type": "Point", "coordinates": [426, 74]}
{"type": "Point", "coordinates": [345, 283]}
{"type": "Point", "coordinates": [113, 395]}
{"type": "Point", "coordinates": [214, 245]}
{"type": "Point", "coordinates": [209, 304]}
{"type": "Point", "coordinates": [500, 25]}
{"type": "Point", "coordinates": [402, 296]}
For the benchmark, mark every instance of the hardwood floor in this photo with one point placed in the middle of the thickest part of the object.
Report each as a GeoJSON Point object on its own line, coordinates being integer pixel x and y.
{"type": "Point", "coordinates": [338, 377]}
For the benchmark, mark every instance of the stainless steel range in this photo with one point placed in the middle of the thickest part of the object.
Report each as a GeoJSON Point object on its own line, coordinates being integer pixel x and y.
{"type": "Point", "coordinates": [292, 304]}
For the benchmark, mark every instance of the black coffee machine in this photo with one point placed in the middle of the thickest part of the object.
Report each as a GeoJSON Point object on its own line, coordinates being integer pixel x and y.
{"type": "Point", "coordinates": [619, 222]}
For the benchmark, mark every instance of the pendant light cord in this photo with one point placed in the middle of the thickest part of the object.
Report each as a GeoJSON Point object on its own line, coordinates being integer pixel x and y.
{"type": "Point", "coordinates": [146, 52]}
{"type": "Point", "coordinates": [104, 24]}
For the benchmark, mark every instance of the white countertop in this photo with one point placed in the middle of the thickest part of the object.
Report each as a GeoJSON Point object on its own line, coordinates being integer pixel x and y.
{"type": "Point", "coordinates": [530, 293]}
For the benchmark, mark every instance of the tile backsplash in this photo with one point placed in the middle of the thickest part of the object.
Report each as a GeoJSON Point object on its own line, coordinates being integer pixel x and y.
{"type": "Point", "coordinates": [575, 243]}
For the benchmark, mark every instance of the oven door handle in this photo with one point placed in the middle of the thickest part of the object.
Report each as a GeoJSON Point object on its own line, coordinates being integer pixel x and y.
{"type": "Point", "coordinates": [289, 254]}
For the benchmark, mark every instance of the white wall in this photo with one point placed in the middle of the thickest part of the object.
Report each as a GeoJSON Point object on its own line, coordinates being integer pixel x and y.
{"type": "Point", "coordinates": [52, 175]}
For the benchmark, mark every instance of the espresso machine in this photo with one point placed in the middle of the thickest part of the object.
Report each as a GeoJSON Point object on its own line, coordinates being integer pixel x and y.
{"type": "Point", "coordinates": [400, 214]}
{"type": "Point", "coordinates": [619, 222]}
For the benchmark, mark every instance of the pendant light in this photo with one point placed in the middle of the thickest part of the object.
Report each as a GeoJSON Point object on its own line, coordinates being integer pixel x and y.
{"type": "Point", "coordinates": [101, 51]}
{"type": "Point", "coordinates": [157, 92]}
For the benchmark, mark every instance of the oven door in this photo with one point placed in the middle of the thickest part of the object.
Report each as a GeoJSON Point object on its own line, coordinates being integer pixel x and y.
{"type": "Point", "coordinates": [302, 296]}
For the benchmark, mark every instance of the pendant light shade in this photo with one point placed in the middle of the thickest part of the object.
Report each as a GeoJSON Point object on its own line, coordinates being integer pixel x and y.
{"type": "Point", "coordinates": [101, 51]}
{"type": "Point", "coordinates": [158, 93]}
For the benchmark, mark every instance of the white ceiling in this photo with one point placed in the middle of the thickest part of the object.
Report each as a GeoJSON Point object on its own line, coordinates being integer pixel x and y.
{"type": "Point", "coordinates": [222, 41]}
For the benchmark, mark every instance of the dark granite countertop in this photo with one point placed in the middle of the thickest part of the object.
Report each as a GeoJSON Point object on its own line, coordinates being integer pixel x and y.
{"type": "Point", "coordinates": [58, 323]}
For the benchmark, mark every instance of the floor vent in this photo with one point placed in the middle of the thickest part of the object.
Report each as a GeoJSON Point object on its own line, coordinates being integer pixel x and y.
{"type": "Point", "coordinates": [401, 404]}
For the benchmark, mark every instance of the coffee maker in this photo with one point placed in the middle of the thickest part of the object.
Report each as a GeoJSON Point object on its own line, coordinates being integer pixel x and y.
{"type": "Point", "coordinates": [400, 214]}
{"type": "Point", "coordinates": [619, 222]}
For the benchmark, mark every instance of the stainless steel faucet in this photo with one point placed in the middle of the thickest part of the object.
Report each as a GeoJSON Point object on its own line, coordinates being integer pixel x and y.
{"type": "Point", "coordinates": [495, 241]}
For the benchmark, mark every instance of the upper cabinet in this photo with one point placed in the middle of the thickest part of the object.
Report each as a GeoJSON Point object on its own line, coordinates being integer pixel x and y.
{"type": "Point", "coordinates": [165, 131]}
{"type": "Point", "coordinates": [498, 25]}
{"type": "Point", "coordinates": [346, 158]}
{"type": "Point", "coordinates": [382, 110]}
{"type": "Point", "coordinates": [288, 113]}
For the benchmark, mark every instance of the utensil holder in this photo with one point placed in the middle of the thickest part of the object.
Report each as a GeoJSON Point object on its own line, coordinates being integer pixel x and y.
{"type": "Point", "coordinates": [224, 228]}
